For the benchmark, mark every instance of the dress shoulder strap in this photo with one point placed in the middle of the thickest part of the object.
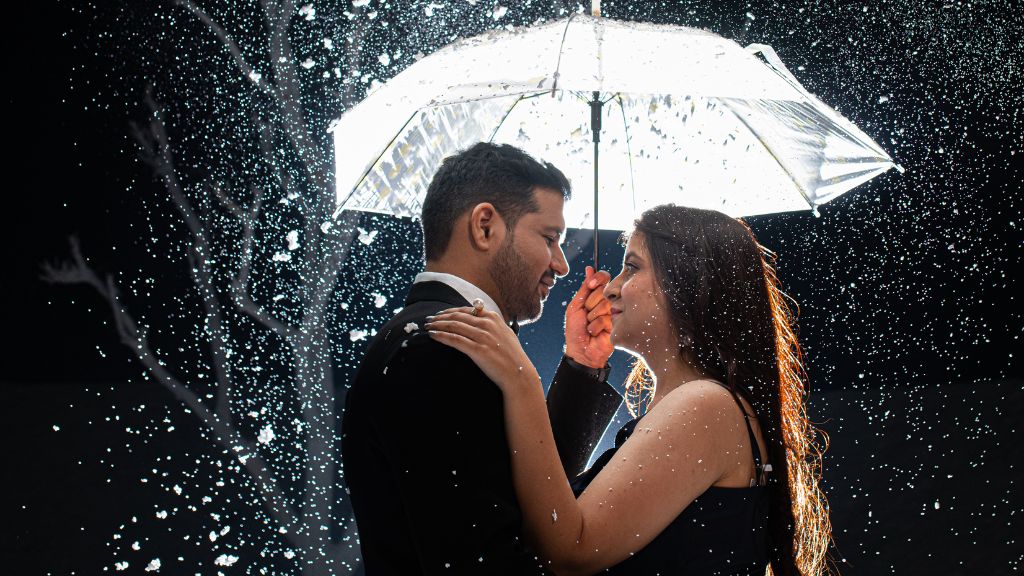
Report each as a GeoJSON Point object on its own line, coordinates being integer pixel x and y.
{"type": "Point", "coordinates": [755, 450]}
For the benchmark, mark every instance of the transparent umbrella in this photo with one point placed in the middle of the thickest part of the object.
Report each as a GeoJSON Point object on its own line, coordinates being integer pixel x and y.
{"type": "Point", "coordinates": [644, 114]}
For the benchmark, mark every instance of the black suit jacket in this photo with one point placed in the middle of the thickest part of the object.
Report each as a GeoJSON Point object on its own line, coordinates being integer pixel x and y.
{"type": "Point", "coordinates": [425, 455]}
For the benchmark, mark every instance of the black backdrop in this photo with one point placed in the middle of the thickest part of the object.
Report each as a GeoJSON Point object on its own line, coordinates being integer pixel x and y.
{"type": "Point", "coordinates": [907, 286]}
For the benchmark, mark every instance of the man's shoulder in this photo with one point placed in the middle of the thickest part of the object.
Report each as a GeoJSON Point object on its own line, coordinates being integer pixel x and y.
{"type": "Point", "coordinates": [413, 377]}
{"type": "Point", "coordinates": [415, 314]}
{"type": "Point", "coordinates": [403, 348]}
{"type": "Point", "coordinates": [406, 334]}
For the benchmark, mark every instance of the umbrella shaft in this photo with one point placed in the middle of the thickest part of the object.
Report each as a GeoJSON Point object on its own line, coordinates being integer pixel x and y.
{"type": "Point", "coordinates": [596, 268]}
{"type": "Point", "coordinates": [595, 129]}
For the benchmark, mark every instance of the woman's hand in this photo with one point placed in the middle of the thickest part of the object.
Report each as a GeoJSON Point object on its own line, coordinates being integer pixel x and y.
{"type": "Point", "coordinates": [588, 322]}
{"type": "Point", "coordinates": [488, 341]}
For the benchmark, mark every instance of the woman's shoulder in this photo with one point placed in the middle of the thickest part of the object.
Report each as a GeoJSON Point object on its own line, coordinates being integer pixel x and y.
{"type": "Point", "coordinates": [699, 410]}
{"type": "Point", "coordinates": [698, 395]}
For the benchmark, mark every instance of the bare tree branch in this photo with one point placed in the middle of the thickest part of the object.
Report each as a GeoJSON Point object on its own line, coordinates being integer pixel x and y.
{"type": "Point", "coordinates": [236, 53]}
{"type": "Point", "coordinates": [214, 328]}
{"type": "Point", "coordinates": [338, 247]}
{"type": "Point", "coordinates": [132, 336]}
{"type": "Point", "coordinates": [228, 203]}
{"type": "Point", "coordinates": [325, 252]}
{"type": "Point", "coordinates": [353, 60]}
{"type": "Point", "coordinates": [157, 153]}
{"type": "Point", "coordinates": [282, 132]}
{"type": "Point", "coordinates": [159, 156]}
{"type": "Point", "coordinates": [271, 12]}
{"type": "Point", "coordinates": [248, 240]}
{"type": "Point", "coordinates": [289, 101]}
{"type": "Point", "coordinates": [240, 285]}
{"type": "Point", "coordinates": [247, 305]}
{"type": "Point", "coordinates": [265, 138]}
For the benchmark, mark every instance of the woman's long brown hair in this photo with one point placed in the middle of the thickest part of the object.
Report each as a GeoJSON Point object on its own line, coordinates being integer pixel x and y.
{"type": "Point", "coordinates": [736, 326]}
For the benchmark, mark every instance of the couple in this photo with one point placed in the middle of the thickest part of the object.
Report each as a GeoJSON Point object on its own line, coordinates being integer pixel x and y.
{"type": "Point", "coordinates": [456, 463]}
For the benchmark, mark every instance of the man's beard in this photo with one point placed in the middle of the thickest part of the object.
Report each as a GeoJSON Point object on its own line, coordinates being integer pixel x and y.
{"type": "Point", "coordinates": [518, 290]}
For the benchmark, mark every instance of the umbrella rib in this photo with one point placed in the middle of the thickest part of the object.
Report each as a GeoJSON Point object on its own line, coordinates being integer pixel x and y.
{"type": "Point", "coordinates": [558, 64]}
{"type": "Point", "coordinates": [580, 96]}
{"type": "Point", "coordinates": [770, 58]}
{"type": "Point", "coordinates": [505, 117]}
{"type": "Point", "coordinates": [377, 159]}
{"type": "Point", "coordinates": [799, 188]}
{"type": "Point", "coordinates": [629, 151]}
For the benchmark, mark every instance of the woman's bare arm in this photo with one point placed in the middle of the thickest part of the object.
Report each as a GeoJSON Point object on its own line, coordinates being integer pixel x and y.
{"type": "Point", "coordinates": [678, 451]}
{"type": "Point", "coordinates": [684, 445]}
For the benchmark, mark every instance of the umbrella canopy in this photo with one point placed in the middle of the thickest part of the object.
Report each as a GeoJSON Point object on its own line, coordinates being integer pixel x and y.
{"type": "Point", "coordinates": [689, 117]}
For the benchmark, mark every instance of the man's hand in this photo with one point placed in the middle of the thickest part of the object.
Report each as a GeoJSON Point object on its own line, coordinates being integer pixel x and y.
{"type": "Point", "coordinates": [588, 322]}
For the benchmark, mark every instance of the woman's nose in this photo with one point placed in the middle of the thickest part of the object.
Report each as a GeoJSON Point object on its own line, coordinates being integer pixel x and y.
{"type": "Point", "coordinates": [609, 291]}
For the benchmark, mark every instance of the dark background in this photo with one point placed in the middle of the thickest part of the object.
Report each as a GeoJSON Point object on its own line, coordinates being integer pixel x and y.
{"type": "Point", "coordinates": [908, 286]}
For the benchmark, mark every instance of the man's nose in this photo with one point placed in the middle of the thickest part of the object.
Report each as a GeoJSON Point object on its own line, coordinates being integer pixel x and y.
{"type": "Point", "coordinates": [559, 263]}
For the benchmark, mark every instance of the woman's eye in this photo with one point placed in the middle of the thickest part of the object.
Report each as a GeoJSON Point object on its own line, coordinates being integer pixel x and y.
{"type": "Point", "coordinates": [629, 267]}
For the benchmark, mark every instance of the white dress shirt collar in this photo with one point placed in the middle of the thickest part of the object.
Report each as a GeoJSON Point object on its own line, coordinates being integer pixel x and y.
{"type": "Point", "coordinates": [466, 289]}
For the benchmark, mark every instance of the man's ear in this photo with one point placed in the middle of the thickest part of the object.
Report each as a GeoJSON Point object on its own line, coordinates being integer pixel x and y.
{"type": "Point", "coordinates": [486, 227]}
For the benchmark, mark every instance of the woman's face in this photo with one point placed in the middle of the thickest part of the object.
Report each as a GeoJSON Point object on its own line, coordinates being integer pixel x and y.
{"type": "Point", "coordinates": [640, 319]}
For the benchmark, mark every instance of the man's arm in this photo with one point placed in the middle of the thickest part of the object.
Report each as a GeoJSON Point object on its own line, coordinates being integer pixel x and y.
{"type": "Point", "coordinates": [444, 433]}
{"type": "Point", "coordinates": [580, 404]}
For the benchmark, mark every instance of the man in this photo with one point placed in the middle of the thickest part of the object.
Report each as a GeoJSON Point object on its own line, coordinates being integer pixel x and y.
{"type": "Point", "coordinates": [423, 440]}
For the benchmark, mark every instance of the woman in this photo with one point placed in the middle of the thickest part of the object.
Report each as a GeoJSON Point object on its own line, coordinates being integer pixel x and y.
{"type": "Point", "coordinates": [720, 473]}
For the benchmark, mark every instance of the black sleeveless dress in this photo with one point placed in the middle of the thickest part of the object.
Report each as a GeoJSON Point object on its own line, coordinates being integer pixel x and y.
{"type": "Point", "coordinates": [723, 532]}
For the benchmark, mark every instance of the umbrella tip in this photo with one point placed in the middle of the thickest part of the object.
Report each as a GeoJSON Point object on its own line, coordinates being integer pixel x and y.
{"type": "Point", "coordinates": [595, 8]}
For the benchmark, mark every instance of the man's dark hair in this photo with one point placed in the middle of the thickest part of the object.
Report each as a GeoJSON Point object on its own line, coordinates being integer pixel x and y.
{"type": "Point", "coordinates": [500, 174]}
